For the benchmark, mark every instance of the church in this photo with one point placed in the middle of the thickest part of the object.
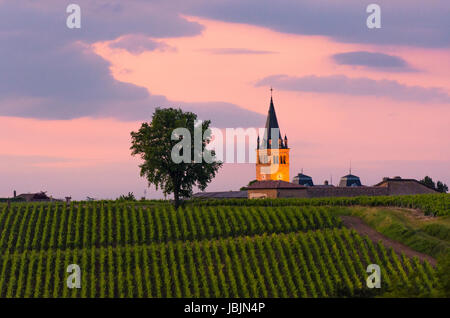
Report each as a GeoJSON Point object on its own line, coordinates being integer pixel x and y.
{"type": "Point", "coordinates": [273, 179]}
{"type": "Point", "coordinates": [272, 173]}
{"type": "Point", "coordinates": [272, 153]}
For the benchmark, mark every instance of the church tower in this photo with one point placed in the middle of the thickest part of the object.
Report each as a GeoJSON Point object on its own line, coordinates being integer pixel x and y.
{"type": "Point", "coordinates": [272, 154]}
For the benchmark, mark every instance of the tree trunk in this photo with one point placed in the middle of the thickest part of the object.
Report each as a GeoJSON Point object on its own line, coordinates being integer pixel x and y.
{"type": "Point", "coordinates": [176, 199]}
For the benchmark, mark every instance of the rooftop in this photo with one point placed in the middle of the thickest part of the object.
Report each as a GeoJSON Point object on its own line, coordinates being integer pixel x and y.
{"type": "Point", "coordinates": [350, 180]}
{"type": "Point", "coordinates": [303, 179]}
{"type": "Point", "coordinates": [399, 179]}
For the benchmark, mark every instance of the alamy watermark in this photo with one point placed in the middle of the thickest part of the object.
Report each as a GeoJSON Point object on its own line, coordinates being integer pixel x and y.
{"type": "Point", "coordinates": [74, 279]}
{"type": "Point", "coordinates": [374, 279]}
{"type": "Point", "coordinates": [374, 19]}
{"type": "Point", "coordinates": [74, 19]}
{"type": "Point", "coordinates": [231, 145]}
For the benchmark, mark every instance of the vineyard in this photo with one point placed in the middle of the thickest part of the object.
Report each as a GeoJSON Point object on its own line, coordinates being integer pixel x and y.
{"type": "Point", "coordinates": [125, 250]}
{"type": "Point", "coordinates": [430, 204]}
{"type": "Point", "coordinates": [42, 227]}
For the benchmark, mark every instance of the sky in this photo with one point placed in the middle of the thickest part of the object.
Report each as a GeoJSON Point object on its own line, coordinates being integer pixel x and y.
{"type": "Point", "coordinates": [69, 98]}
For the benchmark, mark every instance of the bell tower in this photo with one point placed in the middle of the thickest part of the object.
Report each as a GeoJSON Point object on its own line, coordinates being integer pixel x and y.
{"type": "Point", "coordinates": [272, 153]}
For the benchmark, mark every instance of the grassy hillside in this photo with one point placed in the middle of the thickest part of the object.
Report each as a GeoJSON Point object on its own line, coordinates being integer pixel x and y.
{"type": "Point", "coordinates": [429, 235]}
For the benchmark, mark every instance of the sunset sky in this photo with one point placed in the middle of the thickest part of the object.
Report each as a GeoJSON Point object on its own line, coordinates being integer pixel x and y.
{"type": "Point", "coordinates": [69, 98]}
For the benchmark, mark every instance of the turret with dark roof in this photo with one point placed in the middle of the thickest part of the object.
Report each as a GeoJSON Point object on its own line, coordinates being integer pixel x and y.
{"type": "Point", "coordinates": [350, 180]}
{"type": "Point", "coordinates": [303, 179]}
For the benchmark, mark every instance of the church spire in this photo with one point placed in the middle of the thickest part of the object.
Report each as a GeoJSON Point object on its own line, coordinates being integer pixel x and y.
{"type": "Point", "coordinates": [271, 123]}
{"type": "Point", "coordinates": [277, 158]}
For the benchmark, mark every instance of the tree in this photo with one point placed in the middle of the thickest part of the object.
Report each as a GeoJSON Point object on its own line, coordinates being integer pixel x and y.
{"type": "Point", "coordinates": [157, 141]}
{"type": "Point", "coordinates": [441, 187]}
{"type": "Point", "coordinates": [428, 182]}
{"type": "Point", "coordinates": [129, 197]}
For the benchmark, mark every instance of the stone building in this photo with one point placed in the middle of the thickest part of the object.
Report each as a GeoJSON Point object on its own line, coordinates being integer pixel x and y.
{"type": "Point", "coordinates": [275, 189]}
{"type": "Point", "coordinates": [399, 186]}
{"type": "Point", "coordinates": [33, 197]}
{"type": "Point", "coordinates": [280, 189]}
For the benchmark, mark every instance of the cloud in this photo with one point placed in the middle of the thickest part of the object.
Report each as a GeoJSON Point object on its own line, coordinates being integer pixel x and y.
{"type": "Point", "coordinates": [221, 114]}
{"type": "Point", "coordinates": [51, 72]}
{"type": "Point", "coordinates": [137, 44]}
{"type": "Point", "coordinates": [403, 22]}
{"type": "Point", "coordinates": [101, 20]}
{"type": "Point", "coordinates": [240, 51]}
{"type": "Point", "coordinates": [341, 84]}
{"type": "Point", "coordinates": [71, 73]}
{"type": "Point", "coordinates": [373, 60]}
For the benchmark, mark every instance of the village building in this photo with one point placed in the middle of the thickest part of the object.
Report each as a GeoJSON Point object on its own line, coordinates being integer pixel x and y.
{"type": "Point", "coordinates": [399, 186]}
{"type": "Point", "coordinates": [275, 189]}
{"type": "Point", "coordinates": [395, 186]}
{"type": "Point", "coordinates": [272, 175]}
{"type": "Point", "coordinates": [33, 197]}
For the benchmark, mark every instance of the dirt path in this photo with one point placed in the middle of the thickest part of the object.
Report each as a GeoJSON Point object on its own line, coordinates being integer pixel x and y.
{"type": "Point", "coordinates": [362, 228]}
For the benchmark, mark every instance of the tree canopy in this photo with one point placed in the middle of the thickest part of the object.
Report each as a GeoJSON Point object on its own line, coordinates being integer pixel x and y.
{"type": "Point", "coordinates": [439, 186]}
{"type": "Point", "coordinates": [158, 141]}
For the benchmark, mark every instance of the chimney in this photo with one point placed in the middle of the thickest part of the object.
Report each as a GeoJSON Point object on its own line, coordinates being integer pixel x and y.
{"type": "Point", "coordinates": [15, 194]}
{"type": "Point", "coordinates": [326, 182]}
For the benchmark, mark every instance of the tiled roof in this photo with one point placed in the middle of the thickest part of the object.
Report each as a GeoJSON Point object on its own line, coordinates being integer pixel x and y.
{"type": "Point", "coordinates": [400, 180]}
